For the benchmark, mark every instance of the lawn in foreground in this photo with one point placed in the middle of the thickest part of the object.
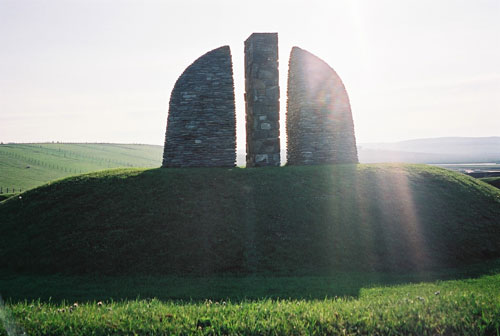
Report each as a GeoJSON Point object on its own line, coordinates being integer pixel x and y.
{"type": "Point", "coordinates": [453, 307]}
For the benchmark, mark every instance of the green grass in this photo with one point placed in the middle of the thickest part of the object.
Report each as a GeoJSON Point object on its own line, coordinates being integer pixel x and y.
{"type": "Point", "coordinates": [51, 161]}
{"type": "Point", "coordinates": [57, 288]}
{"type": "Point", "coordinates": [455, 307]}
{"type": "Point", "coordinates": [285, 221]}
{"type": "Point", "coordinates": [494, 181]}
{"type": "Point", "coordinates": [3, 197]}
{"type": "Point", "coordinates": [322, 250]}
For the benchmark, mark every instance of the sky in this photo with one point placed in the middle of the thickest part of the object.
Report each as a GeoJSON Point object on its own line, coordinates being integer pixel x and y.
{"type": "Point", "coordinates": [102, 71]}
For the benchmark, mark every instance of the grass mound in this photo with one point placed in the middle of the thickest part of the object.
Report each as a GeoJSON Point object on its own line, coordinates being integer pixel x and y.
{"type": "Point", "coordinates": [289, 220]}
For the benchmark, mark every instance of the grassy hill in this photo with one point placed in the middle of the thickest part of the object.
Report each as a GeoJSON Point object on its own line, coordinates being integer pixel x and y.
{"type": "Point", "coordinates": [25, 166]}
{"type": "Point", "coordinates": [288, 220]}
{"type": "Point", "coordinates": [494, 181]}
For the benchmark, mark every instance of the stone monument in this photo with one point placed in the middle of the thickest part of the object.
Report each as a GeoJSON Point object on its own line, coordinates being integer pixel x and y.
{"type": "Point", "coordinates": [262, 100]}
{"type": "Point", "coordinates": [201, 126]}
{"type": "Point", "coordinates": [320, 129]}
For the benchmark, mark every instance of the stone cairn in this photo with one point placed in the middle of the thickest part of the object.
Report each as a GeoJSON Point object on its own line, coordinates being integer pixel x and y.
{"type": "Point", "coordinates": [201, 126]}
{"type": "Point", "coordinates": [262, 100]}
{"type": "Point", "coordinates": [320, 129]}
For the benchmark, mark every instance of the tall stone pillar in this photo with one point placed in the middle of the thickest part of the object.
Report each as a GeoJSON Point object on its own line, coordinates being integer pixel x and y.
{"type": "Point", "coordinates": [262, 100]}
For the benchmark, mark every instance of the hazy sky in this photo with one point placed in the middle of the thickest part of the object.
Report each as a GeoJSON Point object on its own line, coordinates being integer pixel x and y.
{"type": "Point", "coordinates": [102, 71]}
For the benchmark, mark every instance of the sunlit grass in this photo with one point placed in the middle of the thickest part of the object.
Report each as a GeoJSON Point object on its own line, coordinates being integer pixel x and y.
{"type": "Point", "coordinates": [25, 166]}
{"type": "Point", "coordinates": [460, 307]}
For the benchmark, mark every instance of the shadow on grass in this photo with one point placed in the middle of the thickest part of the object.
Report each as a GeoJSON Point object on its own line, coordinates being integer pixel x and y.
{"type": "Point", "coordinates": [59, 288]}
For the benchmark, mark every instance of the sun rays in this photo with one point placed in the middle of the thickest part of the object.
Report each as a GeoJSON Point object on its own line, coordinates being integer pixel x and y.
{"type": "Point", "coordinates": [388, 217]}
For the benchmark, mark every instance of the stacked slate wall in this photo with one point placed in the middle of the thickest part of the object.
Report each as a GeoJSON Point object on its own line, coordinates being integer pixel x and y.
{"type": "Point", "coordinates": [320, 129]}
{"type": "Point", "coordinates": [262, 100]}
{"type": "Point", "coordinates": [201, 126]}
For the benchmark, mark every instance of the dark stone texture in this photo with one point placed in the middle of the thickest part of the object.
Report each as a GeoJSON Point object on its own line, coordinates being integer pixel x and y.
{"type": "Point", "coordinates": [320, 128]}
{"type": "Point", "coordinates": [262, 100]}
{"type": "Point", "coordinates": [201, 126]}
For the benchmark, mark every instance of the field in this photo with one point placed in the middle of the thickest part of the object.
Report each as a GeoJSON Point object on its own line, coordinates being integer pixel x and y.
{"type": "Point", "coordinates": [494, 181]}
{"type": "Point", "coordinates": [385, 249]}
{"type": "Point", "coordinates": [25, 166]}
{"type": "Point", "coordinates": [52, 161]}
{"type": "Point", "coordinates": [453, 307]}
{"type": "Point", "coordinates": [471, 167]}
{"type": "Point", "coordinates": [477, 170]}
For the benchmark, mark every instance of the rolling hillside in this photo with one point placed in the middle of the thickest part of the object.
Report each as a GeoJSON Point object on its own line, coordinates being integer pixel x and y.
{"type": "Point", "coordinates": [494, 181]}
{"type": "Point", "coordinates": [288, 220]}
{"type": "Point", "coordinates": [25, 166]}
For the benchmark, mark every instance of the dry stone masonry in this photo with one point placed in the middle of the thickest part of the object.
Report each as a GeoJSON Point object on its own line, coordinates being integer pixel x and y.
{"type": "Point", "coordinates": [201, 123]}
{"type": "Point", "coordinates": [201, 126]}
{"type": "Point", "coordinates": [262, 100]}
{"type": "Point", "coordinates": [320, 129]}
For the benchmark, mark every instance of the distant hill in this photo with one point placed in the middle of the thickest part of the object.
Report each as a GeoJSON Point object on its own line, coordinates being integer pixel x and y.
{"type": "Point", "coordinates": [289, 220]}
{"type": "Point", "coordinates": [25, 166]}
{"type": "Point", "coordinates": [434, 150]}
{"type": "Point", "coordinates": [494, 181]}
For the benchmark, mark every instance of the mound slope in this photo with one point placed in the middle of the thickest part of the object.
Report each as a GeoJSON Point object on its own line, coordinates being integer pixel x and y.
{"type": "Point", "coordinates": [289, 220]}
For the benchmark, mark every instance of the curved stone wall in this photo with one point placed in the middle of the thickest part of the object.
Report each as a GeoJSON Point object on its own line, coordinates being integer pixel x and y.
{"type": "Point", "coordinates": [201, 126]}
{"type": "Point", "coordinates": [320, 128]}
